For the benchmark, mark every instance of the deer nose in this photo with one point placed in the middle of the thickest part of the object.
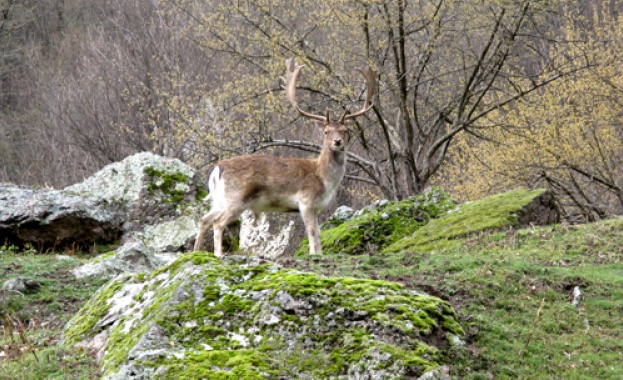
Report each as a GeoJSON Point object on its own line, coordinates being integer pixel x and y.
{"type": "Point", "coordinates": [337, 142]}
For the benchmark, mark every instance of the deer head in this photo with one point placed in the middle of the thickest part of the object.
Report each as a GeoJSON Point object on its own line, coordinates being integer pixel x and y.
{"type": "Point", "coordinates": [335, 132]}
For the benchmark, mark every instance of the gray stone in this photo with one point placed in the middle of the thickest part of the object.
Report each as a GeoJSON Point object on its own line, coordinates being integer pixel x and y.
{"type": "Point", "coordinates": [56, 219]}
{"type": "Point", "coordinates": [155, 191]}
{"type": "Point", "coordinates": [201, 308]}
{"type": "Point", "coordinates": [441, 373]}
{"type": "Point", "coordinates": [21, 285]}
{"type": "Point", "coordinates": [342, 213]}
{"type": "Point", "coordinates": [132, 257]}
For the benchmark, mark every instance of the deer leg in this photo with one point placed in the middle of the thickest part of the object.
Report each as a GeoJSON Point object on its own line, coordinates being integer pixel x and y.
{"type": "Point", "coordinates": [221, 222]}
{"type": "Point", "coordinates": [256, 218]}
{"type": "Point", "coordinates": [205, 223]}
{"type": "Point", "coordinates": [313, 232]}
{"type": "Point", "coordinates": [218, 241]}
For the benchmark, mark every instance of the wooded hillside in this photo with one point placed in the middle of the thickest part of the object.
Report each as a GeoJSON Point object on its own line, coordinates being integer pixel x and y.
{"type": "Point", "coordinates": [477, 97]}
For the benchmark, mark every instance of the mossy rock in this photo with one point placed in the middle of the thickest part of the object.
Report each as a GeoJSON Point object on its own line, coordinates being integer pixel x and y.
{"type": "Point", "coordinates": [382, 224]}
{"type": "Point", "coordinates": [201, 317]}
{"type": "Point", "coordinates": [511, 209]}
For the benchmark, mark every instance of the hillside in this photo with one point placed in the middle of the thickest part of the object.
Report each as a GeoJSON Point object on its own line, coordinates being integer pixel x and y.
{"type": "Point", "coordinates": [511, 287]}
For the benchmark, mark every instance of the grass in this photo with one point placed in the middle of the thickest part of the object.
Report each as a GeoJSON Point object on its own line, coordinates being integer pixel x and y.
{"type": "Point", "coordinates": [31, 323]}
{"type": "Point", "coordinates": [511, 288]}
{"type": "Point", "coordinates": [489, 213]}
{"type": "Point", "coordinates": [513, 291]}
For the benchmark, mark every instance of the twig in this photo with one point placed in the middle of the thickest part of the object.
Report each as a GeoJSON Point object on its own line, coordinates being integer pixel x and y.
{"type": "Point", "coordinates": [536, 322]}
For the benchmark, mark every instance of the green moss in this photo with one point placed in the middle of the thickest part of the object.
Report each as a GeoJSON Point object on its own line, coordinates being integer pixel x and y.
{"type": "Point", "coordinates": [82, 325]}
{"type": "Point", "coordinates": [220, 365]}
{"type": "Point", "coordinates": [383, 225]}
{"type": "Point", "coordinates": [103, 257]}
{"type": "Point", "coordinates": [227, 328]}
{"type": "Point", "coordinates": [167, 184]}
{"type": "Point", "coordinates": [197, 258]}
{"type": "Point", "coordinates": [123, 339]}
{"type": "Point", "coordinates": [489, 213]}
{"type": "Point", "coordinates": [201, 193]}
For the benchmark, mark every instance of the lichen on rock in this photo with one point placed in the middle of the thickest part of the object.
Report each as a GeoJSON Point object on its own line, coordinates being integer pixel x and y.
{"type": "Point", "coordinates": [162, 198]}
{"type": "Point", "coordinates": [200, 317]}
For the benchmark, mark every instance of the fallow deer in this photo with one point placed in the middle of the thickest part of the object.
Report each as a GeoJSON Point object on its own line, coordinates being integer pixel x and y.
{"type": "Point", "coordinates": [273, 184]}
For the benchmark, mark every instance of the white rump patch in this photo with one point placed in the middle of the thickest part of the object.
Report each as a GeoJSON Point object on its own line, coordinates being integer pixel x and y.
{"type": "Point", "coordinates": [216, 186]}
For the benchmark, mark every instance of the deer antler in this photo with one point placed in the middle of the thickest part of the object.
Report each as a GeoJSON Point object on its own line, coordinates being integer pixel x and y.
{"type": "Point", "coordinates": [369, 75]}
{"type": "Point", "coordinates": [292, 72]}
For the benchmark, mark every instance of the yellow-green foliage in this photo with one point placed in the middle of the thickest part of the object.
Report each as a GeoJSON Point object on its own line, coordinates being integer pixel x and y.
{"type": "Point", "coordinates": [492, 212]}
{"type": "Point", "coordinates": [566, 137]}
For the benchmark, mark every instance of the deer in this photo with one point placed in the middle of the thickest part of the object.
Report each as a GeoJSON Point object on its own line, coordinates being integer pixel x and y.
{"type": "Point", "coordinates": [264, 183]}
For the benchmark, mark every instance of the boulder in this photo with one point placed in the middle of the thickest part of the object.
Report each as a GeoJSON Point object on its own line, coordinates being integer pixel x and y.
{"type": "Point", "coordinates": [163, 198]}
{"type": "Point", "coordinates": [542, 210]}
{"type": "Point", "coordinates": [132, 257]}
{"type": "Point", "coordinates": [57, 219]}
{"type": "Point", "coordinates": [256, 237]}
{"type": "Point", "coordinates": [202, 317]}
{"type": "Point", "coordinates": [22, 285]}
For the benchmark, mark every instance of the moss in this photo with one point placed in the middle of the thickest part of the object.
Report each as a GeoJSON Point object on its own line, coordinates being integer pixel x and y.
{"type": "Point", "coordinates": [489, 213]}
{"type": "Point", "coordinates": [123, 339]}
{"type": "Point", "coordinates": [168, 184]}
{"type": "Point", "coordinates": [379, 227]}
{"type": "Point", "coordinates": [220, 365]}
{"type": "Point", "coordinates": [197, 258]}
{"type": "Point", "coordinates": [230, 321]}
{"type": "Point", "coordinates": [102, 257]}
{"type": "Point", "coordinates": [83, 323]}
{"type": "Point", "coordinates": [201, 193]}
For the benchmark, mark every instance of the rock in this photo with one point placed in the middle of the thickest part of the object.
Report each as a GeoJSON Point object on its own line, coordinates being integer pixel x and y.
{"type": "Point", "coordinates": [342, 213]}
{"type": "Point", "coordinates": [376, 226]}
{"type": "Point", "coordinates": [171, 236]}
{"type": "Point", "coordinates": [127, 180]}
{"type": "Point", "coordinates": [513, 209]}
{"type": "Point", "coordinates": [577, 296]}
{"type": "Point", "coordinates": [441, 373]}
{"type": "Point", "coordinates": [253, 319]}
{"type": "Point", "coordinates": [257, 239]}
{"type": "Point", "coordinates": [163, 198]}
{"type": "Point", "coordinates": [56, 219]}
{"type": "Point", "coordinates": [541, 211]}
{"type": "Point", "coordinates": [21, 285]}
{"type": "Point", "coordinates": [132, 257]}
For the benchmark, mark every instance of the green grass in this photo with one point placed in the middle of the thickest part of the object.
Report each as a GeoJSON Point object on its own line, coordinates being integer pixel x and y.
{"type": "Point", "coordinates": [498, 280]}
{"type": "Point", "coordinates": [511, 289]}
{"type": "Point", "coordinates": [31, 323]}
{"type": "Point", "coordinates": [488, 213]}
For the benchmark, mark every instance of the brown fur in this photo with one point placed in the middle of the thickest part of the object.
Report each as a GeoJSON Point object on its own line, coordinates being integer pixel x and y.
{"type": "Point", "coordinates": [267, 183]}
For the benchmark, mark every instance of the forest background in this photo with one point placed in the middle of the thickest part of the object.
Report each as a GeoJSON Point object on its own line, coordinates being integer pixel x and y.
{"type": "Point", "coordinates": [474, 96]}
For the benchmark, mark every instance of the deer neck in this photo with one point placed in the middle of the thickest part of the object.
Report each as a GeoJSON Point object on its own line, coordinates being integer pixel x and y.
{"type": "Point", "coordinates": [331, 166]}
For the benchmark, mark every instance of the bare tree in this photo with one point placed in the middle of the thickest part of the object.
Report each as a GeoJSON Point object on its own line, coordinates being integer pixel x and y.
{"type": "Point", "coordinates": [445, 65]}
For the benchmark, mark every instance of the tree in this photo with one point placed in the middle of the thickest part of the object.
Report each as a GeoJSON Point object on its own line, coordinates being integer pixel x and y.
{"type": "Point", "coordinates": [445, 67]}
{"type": "Point", "coordinates": [567, 137]}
